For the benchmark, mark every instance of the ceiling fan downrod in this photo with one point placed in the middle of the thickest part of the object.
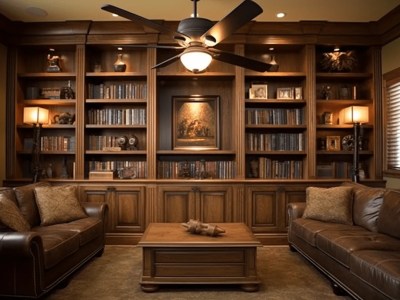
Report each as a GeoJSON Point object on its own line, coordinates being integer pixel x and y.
{"type": "Point", "coordinates": [195, 8]}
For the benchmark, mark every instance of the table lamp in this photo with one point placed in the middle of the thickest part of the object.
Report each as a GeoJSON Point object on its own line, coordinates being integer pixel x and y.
{"type": "Point", "coordinates": [356, 115]}
{"type": "Point", "coordinates": [36, 116]}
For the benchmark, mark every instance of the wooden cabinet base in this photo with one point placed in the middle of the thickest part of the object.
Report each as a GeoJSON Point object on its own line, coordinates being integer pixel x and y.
{"type": "Point", "coordinates": [173, 256]}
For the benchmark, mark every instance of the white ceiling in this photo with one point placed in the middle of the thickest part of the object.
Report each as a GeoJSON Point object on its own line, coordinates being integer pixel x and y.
{"type": "Point", "coordinates": [173, 10]}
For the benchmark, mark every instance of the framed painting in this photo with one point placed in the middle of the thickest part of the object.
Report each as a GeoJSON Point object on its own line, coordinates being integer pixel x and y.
{"type": "Point", "coordinates": [195, 122]}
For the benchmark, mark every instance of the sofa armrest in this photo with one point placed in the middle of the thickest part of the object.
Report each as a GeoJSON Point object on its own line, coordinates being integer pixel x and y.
{"type": "Point", "coordinates": [20, 244]}
{"type": "Point", "coordinates": [296, 210]}
{"type": "Point", "coordinates": [96, 210]}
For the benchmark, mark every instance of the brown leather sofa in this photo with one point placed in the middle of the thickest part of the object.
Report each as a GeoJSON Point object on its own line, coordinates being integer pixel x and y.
{"type": "Point", "coordinates": [36, 260]}
{"type": "Point", "coordinates": [361, 257]}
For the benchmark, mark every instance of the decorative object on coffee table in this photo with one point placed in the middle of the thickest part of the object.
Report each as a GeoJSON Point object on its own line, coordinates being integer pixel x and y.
{"type": "Point", "coordinates": [198, 227]}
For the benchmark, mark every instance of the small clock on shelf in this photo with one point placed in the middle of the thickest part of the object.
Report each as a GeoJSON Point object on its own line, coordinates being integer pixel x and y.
{"type": "Point", "coordinates": [128, 143]}
{"type": "Point", "coordinates": [122, 142]}
{"type": "Point", "coordinates": [133, 142]}
{"type": "Point", "coordinates": [348, 143]}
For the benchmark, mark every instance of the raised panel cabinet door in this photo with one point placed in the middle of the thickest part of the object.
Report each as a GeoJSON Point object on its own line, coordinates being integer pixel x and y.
{"type": "Point", "coordinates": [129, 209]}
{"type": "Point", "coordinates": [175, 204]}
{"type": "Point", "coordinates": [263, 209]}
{"type": "Point", "coordinates": [215, 204]}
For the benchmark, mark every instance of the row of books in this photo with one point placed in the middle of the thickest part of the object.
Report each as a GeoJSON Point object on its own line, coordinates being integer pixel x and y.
{"type": "Point", "coordinates": [196, 169]}
{"type": "Point", "coordinates": [102, 142]}
{"type": "Point", "coordinates": [57, 143]}
{"type": "Point", "coordinates": [267, 168]}
{"type": "Point", "coordinates": [278, 116]}
{"type": "Point", "coordinates": [124, 90]}
{"type": "Point", "coordinates": [275, 141]}
{"type": "Point", "coordinates": [117, 116]}
{"type": "Point", "coordinates": [138, 167]}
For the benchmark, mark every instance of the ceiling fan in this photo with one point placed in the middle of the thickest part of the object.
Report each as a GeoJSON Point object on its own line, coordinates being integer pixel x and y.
{"type": "Point", "coordinates": [198, 37]}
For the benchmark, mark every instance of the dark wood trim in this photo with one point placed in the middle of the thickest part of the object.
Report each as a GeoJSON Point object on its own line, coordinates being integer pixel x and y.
{"type": "Point", "coordinates": [304, 32]}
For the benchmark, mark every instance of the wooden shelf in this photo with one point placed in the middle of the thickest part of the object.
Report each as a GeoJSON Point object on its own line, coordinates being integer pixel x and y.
{"type": "Point", "coordinates": [122, 152]}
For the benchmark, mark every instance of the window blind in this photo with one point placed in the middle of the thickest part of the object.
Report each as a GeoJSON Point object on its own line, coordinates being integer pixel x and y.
{"type": "Point", "coordinates": [393, 126]}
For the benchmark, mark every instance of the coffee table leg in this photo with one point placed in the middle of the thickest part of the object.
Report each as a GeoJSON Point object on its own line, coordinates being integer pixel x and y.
{"type": "Point", "coordinates": [250, 287]}
{"type": "Point", "coordinates": [149, 288]}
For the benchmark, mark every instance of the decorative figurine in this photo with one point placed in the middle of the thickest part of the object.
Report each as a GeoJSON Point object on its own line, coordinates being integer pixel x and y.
{"type": "Point", "coordinates": [197, 227]}
{"type": "Point", "coordinates": [53, 63]}
{"type": "Point", "coordinates": [67, 92]}
{"type": "Point", "coordinates": [119, 65]}
{"type": "Point", "coordinates": [132, 142]}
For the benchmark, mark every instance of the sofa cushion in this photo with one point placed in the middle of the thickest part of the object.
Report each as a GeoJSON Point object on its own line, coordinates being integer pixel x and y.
{"type": "Point", "coordinates": [366, 205]}
{"type": "Point", "coordinates": [341, 244]}
{"type": "Point", "coordinates": [389, 215]}
{"type": "Point", "coordinates": [88, 228]}
{"type": "Point", "coordinates": [58, 204]}
{"type": "Point", "coordinates": [307, 229]}
{"type": "Point", "coordinates": [11, 216]}
{"type": "Point", "coordinates": [380, 269]}
{"type": "Point", "coordinates": [26, 202]}
{"type": "Point", "coordinates": [329, 204]}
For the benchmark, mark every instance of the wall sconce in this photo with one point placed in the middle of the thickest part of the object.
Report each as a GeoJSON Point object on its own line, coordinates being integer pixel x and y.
{"type": "Point", "coordinates": [196, 59]}
{"type": "Point", "coordinates": [36, 116]}
{"type": "Point", "coordinates": [356, 115]}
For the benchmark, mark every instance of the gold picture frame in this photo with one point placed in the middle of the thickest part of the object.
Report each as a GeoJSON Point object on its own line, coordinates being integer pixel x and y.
{"type": "Point", "coordinates": [195, 123]}
{"type": "Point", "coordinates": [333, 143]}
{"type": "Point", "coordinates": [285, 93]}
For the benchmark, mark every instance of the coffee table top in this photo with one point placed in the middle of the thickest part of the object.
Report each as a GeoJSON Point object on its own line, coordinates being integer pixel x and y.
{"type": "Point", "coordinates": [175, 235]}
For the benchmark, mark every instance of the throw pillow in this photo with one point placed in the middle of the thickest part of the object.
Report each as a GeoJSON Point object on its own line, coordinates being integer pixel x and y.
{"type": "Point", "coordinates": [329, 204]}
{"type": "Point", "coordinates": [58, 204]}
{"type": "Point", "coordinates": [11, 216]}
{"type": "Point", "coordinates": [26, 202]}
{"type": "Point", "coordinates": [389, 216]}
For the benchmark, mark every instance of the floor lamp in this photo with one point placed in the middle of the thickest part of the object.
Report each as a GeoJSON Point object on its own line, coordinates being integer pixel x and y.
{"type": "Point", "coordinates": [356, 115]}
{"type": "Point", "coordinates": [36, 116]}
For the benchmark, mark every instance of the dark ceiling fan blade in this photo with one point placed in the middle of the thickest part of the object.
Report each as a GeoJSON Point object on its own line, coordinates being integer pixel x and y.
{"type": "Point", "coordinates": [241, 15]}
{"type": "Point", "coordinates": [167, 61]}
{"type": "Point", "coordinates": [240, 61]}
{"type": "Point", "coordinates": [144, 22]}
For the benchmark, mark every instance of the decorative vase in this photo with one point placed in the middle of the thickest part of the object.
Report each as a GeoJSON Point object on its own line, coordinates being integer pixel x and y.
{"type": "Point", "coordinates": [119, 65]}
{"type": "Point", "coordinates": [274, 65]}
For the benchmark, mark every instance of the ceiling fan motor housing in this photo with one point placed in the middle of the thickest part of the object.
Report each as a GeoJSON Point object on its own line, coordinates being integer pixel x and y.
{"type": "Point", "coordinates": [194, 27]}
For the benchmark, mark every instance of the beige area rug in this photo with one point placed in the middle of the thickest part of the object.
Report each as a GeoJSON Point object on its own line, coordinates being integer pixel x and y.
{"type": "Point", "coordinates": [115, 275]}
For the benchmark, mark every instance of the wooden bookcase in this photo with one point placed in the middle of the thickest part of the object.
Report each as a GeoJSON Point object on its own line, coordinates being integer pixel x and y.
{"type": "Point", "coordinates": [263, 177]}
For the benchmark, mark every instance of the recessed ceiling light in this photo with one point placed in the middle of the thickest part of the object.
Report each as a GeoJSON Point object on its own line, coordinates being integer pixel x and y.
{"type": "Point", "coordinates": [336, 49]}
{"type": "Point", "coordinates": [120, 48]}
{"type": "Point", "coordinates": [114, 15]}
{"type": "Point", "coordinates": [36, 11]}
{"type": "Point", "coordinates": [281, 15]}
{"type": "Point", "coordinates": [271, 49]}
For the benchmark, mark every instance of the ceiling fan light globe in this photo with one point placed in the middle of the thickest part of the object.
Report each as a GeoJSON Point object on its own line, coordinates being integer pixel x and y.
{"type": "Point", "coordinates": [196, 61]}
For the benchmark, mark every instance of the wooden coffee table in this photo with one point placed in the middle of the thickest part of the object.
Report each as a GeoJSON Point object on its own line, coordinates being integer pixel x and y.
{"type": "Point", "coordinates": [171, 255]}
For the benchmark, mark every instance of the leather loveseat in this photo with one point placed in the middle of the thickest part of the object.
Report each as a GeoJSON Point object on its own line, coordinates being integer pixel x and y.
{"type": "Point", "coordinates": [356, 243]}
{"type": "Point", "coordinates": [43, 242]}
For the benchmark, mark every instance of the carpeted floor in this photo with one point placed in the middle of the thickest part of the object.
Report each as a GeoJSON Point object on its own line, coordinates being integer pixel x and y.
{"type": "Point", "coordinates": [115, 275]}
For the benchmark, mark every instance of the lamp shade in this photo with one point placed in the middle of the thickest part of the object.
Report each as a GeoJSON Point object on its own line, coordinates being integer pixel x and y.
{"type": "Point", "coordinates": [356, 114]}
{"type": "Point", "coordinates": [196, 59]}
{"type": "Point", "coordinates": [36, 115]}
